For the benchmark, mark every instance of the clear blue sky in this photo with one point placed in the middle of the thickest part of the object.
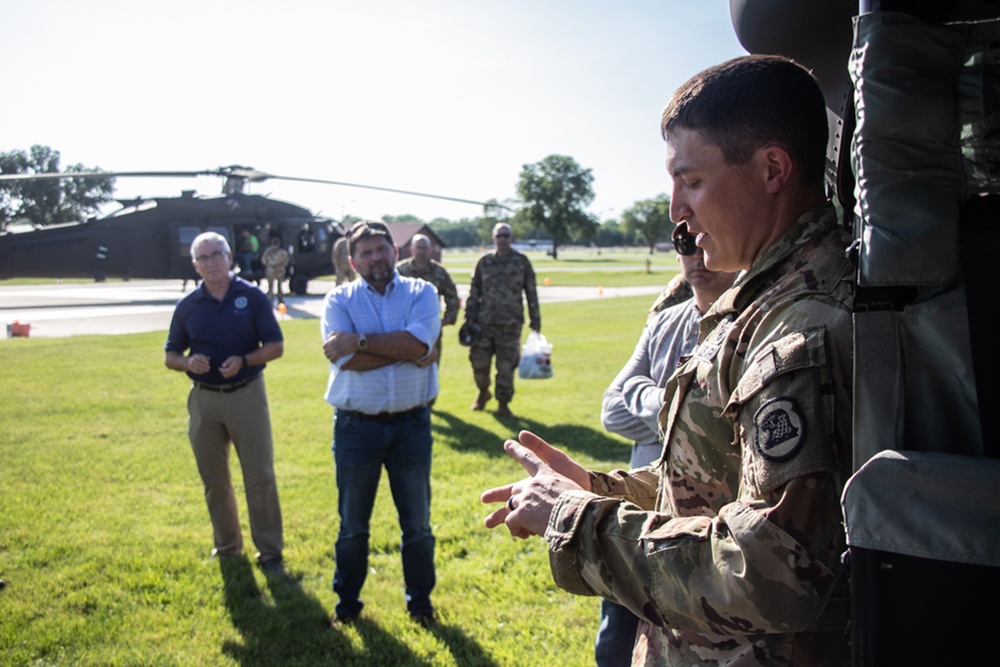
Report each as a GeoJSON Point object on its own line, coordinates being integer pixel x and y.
{"type": "Point", "coordinates": [442, 96]}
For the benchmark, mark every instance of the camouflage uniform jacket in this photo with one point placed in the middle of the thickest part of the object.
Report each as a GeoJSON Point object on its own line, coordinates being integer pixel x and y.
{"type": "Point", "coordinates": [275, 261]}
{"type": "Point", "coordinates": [437, 275]}
{"type": "Point", "coordinates": [728, 547]}
{"type": "Point", "coordinates": [495, 297]}
{"type": "Point", "coordinates": [677, 291]}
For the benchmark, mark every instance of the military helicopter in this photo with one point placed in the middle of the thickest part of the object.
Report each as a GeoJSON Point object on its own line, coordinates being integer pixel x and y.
{"type": "Point", "coordinates": [151, 237]}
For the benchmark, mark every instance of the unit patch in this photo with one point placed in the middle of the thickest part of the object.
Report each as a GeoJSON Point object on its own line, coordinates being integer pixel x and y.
{"type": "Point", "coordinates": [779, 429]}
{"type": "Point", "coordinates": [240, 303]}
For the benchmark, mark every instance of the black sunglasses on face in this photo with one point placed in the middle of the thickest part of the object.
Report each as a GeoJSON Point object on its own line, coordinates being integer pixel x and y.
{"type": "Point", "coordinates": [684, 241]}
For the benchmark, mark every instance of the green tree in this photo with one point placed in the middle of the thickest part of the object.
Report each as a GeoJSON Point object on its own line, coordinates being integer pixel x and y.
{"type": "Point", "coordinates": [462, 233]}
{"type": "Point", "coordinates": [649, 220]}
{"type": "Point", "coordinates": [51, 200]}
{"type": "Point", "coordinates": [554, 193]}
{"type": "Point", "coordinates": [611, 234]}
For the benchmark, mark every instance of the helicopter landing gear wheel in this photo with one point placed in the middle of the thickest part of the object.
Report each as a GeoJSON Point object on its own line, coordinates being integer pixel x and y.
{"type": "Point", "coordinates": [298, 284]}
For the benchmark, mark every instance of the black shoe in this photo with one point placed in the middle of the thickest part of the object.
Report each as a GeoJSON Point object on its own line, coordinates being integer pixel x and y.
{"type": "Point", "coordinates": [338, 621]}
{"type": "Point", "coordinates": [425, 619]}
{"type": "Point", "coordinates": [274, 568]}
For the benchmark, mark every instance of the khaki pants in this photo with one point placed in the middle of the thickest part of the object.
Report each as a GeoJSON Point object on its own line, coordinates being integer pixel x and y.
{"type": "Point", "coordinates": [240, 417]}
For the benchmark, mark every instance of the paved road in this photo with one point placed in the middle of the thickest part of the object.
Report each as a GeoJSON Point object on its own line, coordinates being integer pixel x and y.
{"type": "Point", "coordinates": [58, 310]}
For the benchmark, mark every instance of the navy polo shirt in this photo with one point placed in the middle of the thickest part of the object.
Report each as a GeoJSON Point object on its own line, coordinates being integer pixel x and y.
{"type": "Point", "coordinates": [237, 325]}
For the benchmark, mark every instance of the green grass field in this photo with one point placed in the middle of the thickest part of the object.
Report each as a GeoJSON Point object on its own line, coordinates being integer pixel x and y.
{"type": "Point", "coordinates": [104, 536]}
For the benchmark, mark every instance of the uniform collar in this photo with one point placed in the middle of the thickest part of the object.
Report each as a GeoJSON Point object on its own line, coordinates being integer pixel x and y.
{"type": "Point", "coordinates": [814, 223]}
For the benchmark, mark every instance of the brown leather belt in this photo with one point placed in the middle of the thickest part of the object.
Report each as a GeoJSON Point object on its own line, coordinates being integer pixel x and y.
{"type": "Point", "coordinates": [380, 417]}
{"type": "Point", "coordinates": [226, 388]}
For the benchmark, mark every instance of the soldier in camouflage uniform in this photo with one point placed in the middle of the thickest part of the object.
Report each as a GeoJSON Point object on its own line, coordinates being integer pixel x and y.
{"type": "Point", "coordinates": [341, 261]}
{"type": "Point", "coordinates": [728, 548]}
{"type": "Point", "coordinates": [677, 291]}
{"type": "Point", "coordinates": [422, 265]}
{"type": "Point", "coordinates": [495, 303]}
{"type": "Point", "coordinates": [275, 260]}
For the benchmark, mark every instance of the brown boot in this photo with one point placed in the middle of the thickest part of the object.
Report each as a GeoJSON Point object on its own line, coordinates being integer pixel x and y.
{"type": "Point", "coordinates": [482, 399]}
{"type": "Point", "coordinates": [503, 410]}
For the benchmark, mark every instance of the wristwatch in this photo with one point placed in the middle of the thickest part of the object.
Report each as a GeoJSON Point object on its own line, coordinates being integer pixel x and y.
{"type": "Point", "coordinates": [362, 342]}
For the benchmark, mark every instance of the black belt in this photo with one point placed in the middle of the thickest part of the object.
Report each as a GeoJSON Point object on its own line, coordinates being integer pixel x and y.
{"type": "Point", "coordinates": [380, 417]}
{"type": "Point", "coordinates": [225, 388]}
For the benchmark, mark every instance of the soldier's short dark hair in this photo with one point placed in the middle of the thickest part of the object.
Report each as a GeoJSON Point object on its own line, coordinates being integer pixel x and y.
{"type": "Point", "coordinates": [367, 229]}
{"type": "Point", "coordinates": [749, 102]}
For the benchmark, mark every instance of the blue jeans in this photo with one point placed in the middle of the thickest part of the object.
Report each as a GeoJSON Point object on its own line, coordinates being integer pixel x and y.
{"type": "Point", "coordinates": [616, 636]}
{"type": "Point", "coordinates": [360, 448]}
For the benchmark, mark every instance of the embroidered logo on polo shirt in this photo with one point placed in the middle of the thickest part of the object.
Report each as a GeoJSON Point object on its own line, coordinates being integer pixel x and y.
{"type": "Point", "coordinates": [240, 303]}
{"type": "Point", "coordinates": [779, 429]}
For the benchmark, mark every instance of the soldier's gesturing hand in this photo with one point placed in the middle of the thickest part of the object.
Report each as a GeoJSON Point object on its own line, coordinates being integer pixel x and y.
{"type": "Point", "coordinates": [529, 502]}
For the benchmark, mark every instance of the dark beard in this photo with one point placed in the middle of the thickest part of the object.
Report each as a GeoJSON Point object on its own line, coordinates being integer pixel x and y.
{"type": "Point", "coordinates": [380, 274]}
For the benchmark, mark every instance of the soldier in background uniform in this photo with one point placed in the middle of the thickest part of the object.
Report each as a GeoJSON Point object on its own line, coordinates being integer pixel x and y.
{"type": "Point", "coordinates": [422, 265]}
{"type": "Point", "coordinates": [634, 399]}
{"type": "Point", "coordinates": [495, 304]}
{"type": "Point", "coordinates": [275, 260]}
{"type": "Point", "coordinates": [342, 262]}
{"type": "Point", "coordinates": [729, 548]}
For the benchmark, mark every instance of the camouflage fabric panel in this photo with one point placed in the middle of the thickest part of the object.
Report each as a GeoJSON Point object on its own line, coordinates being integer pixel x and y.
{"type": "Point", "coordinates": [636, 486]}
{"type": "Point", "coordinates": [785, 408]}
{"type": "Point", "coordinates": [497, 286]}
{"type": "Point", "coordinates": [275, 257]}
{"type": "Point", "coordinates": [677, 291]}
{"type": "Point", "coordinates": [437, 275]}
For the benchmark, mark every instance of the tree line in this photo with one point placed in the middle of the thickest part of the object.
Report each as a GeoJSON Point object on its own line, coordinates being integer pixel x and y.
{"type": "Point", "coordinates": [551, 202]}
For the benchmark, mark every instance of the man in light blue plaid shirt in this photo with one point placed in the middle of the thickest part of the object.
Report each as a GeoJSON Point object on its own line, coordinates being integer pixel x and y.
{"type": "Point", "coordinates": [379, 333]}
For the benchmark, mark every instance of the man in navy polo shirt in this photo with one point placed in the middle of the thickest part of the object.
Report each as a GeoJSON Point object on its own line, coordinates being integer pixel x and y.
{"type": "Point", "coordinates": [229, 331]}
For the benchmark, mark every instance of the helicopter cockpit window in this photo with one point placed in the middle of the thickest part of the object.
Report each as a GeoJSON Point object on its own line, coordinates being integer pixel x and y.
{"type": "Point", "coordinates": [186, 236]}
{"type": "Point", "coordinates": [222, 231]}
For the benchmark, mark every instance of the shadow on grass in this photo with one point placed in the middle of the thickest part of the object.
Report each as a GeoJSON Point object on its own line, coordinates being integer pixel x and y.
{"type": "Point", "coordinates": [295, 630]}
{"type": "Point", "coordinates": [466, 651]}
{"type": "Point", "coordinates": [572, 438]}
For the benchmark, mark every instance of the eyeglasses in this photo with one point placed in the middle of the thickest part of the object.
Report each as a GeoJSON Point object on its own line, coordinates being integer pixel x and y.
{"type": "Point", "coordinates": [205, 259]}
{"type": "Point", "coordinates": [684, 241]}
{"type": "Point", "coordinates": [502, 235]}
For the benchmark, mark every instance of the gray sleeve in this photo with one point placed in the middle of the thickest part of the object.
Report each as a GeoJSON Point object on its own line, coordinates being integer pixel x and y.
{"type": "Point", "coordinates": [617, 412]}
{"type": "Point", "coordinates": [632, 403]}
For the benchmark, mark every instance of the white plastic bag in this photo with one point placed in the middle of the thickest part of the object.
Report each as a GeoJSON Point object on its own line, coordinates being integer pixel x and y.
{"type": "Point", "coordinates": [536, 358]}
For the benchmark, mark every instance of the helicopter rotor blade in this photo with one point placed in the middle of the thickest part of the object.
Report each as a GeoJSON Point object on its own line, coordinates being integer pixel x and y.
{"type": "Point", "coordinates": [107, 174]}
{"type": "Point", "coordinates": [247, 173]}
{"type": "Point", "coordinates": [264, 176]}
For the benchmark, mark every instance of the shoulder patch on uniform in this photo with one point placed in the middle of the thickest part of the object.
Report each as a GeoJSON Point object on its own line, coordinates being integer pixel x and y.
{"type": "Point", "coordinates": [779, 429]}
